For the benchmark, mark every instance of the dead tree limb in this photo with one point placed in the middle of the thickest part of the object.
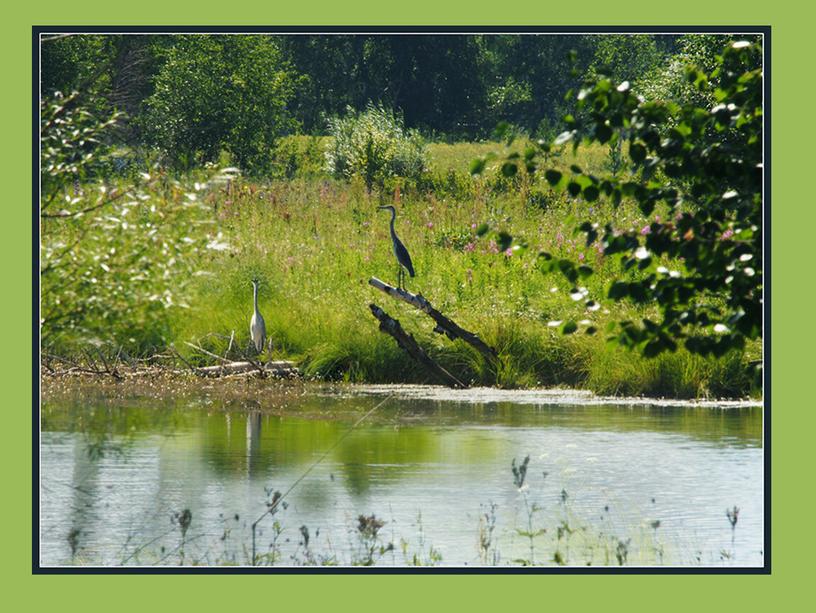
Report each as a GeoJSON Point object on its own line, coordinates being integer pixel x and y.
{"type": "Point", "coordinates": [205, 352]}
{"type": "Point", "coordinates": [444, 325]}
{"type": "Point", "coordinates": [391, 326]}
{"type": "Point", "coordinates": [192, 368]}
{"type": "Point", "coordinates": [280, 368]}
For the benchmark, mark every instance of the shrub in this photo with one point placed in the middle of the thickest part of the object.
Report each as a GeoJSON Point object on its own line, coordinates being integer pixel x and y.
{"type": "Point", "coordinates": [297, 156]}
{"type": "Point", "coordinates": [221, 93]}
{"type": "Point", "coordinates": [375, 146]}
{"type": "Point", "coordinates": [116, 258]}
{"type": "Point", "coordinates": [705, 165]}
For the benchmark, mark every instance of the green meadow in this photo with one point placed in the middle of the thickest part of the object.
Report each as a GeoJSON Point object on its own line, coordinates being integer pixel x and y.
{"type": "Point", "coordinates": [314, 242]}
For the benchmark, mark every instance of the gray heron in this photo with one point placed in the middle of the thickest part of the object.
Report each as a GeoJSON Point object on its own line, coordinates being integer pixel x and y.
{"type": "Point", "coordinates": [400, 252]}
{"type": "Point", "coordinates": [257, 327]}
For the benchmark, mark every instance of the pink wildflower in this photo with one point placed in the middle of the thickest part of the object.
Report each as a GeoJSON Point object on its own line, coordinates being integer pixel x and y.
{"type": "Point", "coordinates": [645, 230]}
{"type": "Point", "coordinates": [508, 252]}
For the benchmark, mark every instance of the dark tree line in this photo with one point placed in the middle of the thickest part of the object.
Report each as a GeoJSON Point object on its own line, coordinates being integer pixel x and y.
{"type": "Point", "coordinates": [451, 84]}
{"type": "Point", "coordinates": [193, 96]}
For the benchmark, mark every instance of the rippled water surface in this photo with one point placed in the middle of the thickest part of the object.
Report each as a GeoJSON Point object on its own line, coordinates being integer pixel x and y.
{"type": "Point", "coordinates": [605, 484]}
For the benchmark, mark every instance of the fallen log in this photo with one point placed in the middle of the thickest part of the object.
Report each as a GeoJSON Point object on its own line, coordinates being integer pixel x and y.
{"type": "Point", "coordinates": [391, 326]}
{"type": "Point", "coordinates": [278, 368]}
{"type": "Point", "coordinates": [444, 325]}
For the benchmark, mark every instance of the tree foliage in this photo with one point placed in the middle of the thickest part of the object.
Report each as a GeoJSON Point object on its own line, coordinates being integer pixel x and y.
{"type": "Point", "coordinates": [217, 93]}
{"type": "Point", "coordinates": [190, 89]}
{"type": "Point", "coordinates": [116, 258]}
{"type": "Point", "coordinates": [706, 165]}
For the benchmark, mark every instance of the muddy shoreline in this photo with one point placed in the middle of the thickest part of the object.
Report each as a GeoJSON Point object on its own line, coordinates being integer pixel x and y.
{"type": "Point", "coordinates": [272, 393]}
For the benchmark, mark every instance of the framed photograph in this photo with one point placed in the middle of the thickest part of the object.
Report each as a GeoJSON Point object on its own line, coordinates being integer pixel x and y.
{"type": "Point", "coordinates": [401, 299]}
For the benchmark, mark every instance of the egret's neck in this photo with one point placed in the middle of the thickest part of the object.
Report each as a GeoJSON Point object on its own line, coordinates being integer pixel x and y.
{"type": "Point", "coordinates": [255, 296]}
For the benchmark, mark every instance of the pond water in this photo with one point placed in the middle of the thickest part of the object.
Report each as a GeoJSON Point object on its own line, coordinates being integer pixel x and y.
{"type": "Point", "coordinates": [140, 479]}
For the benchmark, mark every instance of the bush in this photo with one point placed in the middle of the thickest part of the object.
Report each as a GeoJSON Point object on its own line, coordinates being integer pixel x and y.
{"type": "Point", "coordinates": [221, 93]}
{"type": "Point", "coordinates": [116, 258]}
{"type": "Point", "coordinates": [297, 156]}
{"type": "Point", "coordinates": [705, 165]}
{"type": "Point", "coordinates": [375, 146]}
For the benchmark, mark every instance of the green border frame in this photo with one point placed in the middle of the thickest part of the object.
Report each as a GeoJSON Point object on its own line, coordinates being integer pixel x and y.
{"type": "Point", "coordinates": [791, 495]}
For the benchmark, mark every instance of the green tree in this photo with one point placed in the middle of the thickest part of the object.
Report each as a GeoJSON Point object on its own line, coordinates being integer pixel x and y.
{"type": "Point", "coordinates": [624, 57]}
{"type": "Point", "coordinates": [116, 257]}
{"type": "Point", "coordinates": [705, 163]}
{"type": "Point", "coordinates": [537, 70]}
{"type": "Point", "coordinates": [668, 81]}
{"type": "Point", "coordinates": [217, 93]}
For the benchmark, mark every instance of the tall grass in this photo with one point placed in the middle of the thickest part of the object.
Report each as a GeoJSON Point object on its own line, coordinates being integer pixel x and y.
{"type": "Point", "coordinates": [314, 242]}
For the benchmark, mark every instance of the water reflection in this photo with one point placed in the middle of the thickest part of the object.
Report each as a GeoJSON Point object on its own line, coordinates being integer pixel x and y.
{"type": "Point", "coordinates": [446, 460]}
{"type": "Point", "coordinates": [253, 441]}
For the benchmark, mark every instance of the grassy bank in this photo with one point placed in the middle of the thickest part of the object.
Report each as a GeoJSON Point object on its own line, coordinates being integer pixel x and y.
{"type": "Point", "coordinates": [315, 241]}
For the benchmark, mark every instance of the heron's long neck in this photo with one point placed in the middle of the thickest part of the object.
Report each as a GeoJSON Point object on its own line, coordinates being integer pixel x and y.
{"type": "Point", "coordinates": [255, 296]}
{"type": "Point", "coordinates": [393, 217]}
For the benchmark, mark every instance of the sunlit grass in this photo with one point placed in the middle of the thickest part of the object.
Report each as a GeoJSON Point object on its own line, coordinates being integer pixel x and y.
{"type": "Point", "coordinates": [315, 242]}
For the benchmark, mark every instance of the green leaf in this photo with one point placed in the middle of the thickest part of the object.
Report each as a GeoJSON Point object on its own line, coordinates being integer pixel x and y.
{"type": "Point", "coordinates": [591, 193]}
{"type": "Point", "coordinates": [618, 290]}
{"type": "Point", "coordinates": [637, 152]}
{"type": "Point", "coordinates": [553, 177]}
{"type": "Point", "coordinates": [504, 240]}
{"type": "Point", "coordinates": [509, 169]}
{"type": "Point", "coordinates": [603, 133]}
{"type": "Point", "coordinates": [569, 327]}
{"type": "Point", "coordinates": [477, 166]}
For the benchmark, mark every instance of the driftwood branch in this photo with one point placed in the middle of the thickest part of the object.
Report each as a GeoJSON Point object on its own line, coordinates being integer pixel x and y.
{"type": "Point", "coordinates": [392, 327]}
{"type": "Point", "coordinates": [279, 368]}
{"type": "Point", "coordinates": [444, 325]}
{"type": "Point", "coordinates": [205, 352]}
